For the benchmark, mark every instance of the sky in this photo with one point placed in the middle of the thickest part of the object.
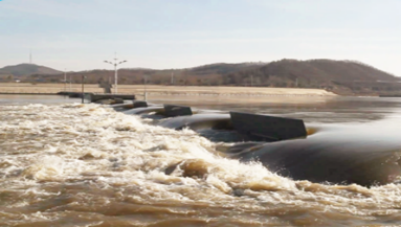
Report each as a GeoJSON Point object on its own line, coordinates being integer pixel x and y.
{"type": "Point", "coordinates": [165, 34]}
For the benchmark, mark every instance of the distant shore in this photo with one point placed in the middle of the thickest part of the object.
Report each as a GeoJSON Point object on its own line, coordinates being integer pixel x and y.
{"type": "Point", "coordinates": [158, 90]}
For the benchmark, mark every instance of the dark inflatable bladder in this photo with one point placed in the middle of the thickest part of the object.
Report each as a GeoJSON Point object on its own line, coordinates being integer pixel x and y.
{"type": "Point", "coordinates": [341, 157]}
{"type": "Point", "coordinates": [124, 107]}
{"type": "Point", "coordinates": [157, 112]}
{"type": "Point", "coordinates": [121, 107]}
{"type": "Point", "coordinates": [213, 126]}
{"type": "Point", "coordinates": [145, 110]}
{"type": "Point", "coordinates": [198, 122]}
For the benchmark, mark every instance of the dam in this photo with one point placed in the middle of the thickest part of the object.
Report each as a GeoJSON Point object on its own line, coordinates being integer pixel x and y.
{"type": "Point", "coordinates": [349, 156]}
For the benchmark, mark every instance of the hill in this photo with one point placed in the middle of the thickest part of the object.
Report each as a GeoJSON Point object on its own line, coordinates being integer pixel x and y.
{"type": "Point", "coordinates": [343, 77]}
{"type": "Point", "coordinates": [26, 69]}
{"type": "Point", "coordinates": [202, 75]}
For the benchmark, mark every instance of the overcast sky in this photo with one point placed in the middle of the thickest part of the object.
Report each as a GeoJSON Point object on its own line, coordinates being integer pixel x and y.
{"type": "Point", "coordinates": [81, 34]}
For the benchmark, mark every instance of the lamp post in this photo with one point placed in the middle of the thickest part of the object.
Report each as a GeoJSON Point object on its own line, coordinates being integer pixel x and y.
{"type": "Point", "coordinates": [115, 63]}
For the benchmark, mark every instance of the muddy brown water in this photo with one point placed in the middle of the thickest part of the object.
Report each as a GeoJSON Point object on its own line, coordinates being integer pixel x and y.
{"type": "Point", "coordinates": [67, 164]}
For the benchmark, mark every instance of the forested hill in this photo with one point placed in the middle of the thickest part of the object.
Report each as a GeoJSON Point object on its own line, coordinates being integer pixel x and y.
{"type": "Point", "coordinates": [341, 76]}
{"type": "Point", "coordinates": [26, 69]}
{"type": "Point", "coordinates": [344, 77]}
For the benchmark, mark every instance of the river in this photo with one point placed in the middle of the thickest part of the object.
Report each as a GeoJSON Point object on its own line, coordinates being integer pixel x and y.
{"type": "Point", "coordinates": [67, 164]}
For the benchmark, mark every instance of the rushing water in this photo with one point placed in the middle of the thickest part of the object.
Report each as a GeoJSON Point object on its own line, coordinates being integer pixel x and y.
{"type": "Point", "coordinates": [67, 164]}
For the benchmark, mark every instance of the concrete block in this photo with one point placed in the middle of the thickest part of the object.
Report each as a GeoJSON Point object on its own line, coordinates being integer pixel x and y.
{"type": "Point", "coordinates": [174, 110]}
{"type": "Point", "coordinates": [268, 128]}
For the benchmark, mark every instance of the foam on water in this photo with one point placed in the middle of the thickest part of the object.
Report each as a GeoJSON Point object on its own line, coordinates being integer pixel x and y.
{"type": "Point", "coordinates": [79, 165]}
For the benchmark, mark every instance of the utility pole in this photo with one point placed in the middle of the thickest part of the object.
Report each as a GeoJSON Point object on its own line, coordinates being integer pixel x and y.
{"type": "Point", "coordinates": [83, 89]}
{"type": "Point", "coordinates": [70, 83]}
{"type": "Point", "coordinates": [115, 63]}
{"type": "Point", "coordinates": [65, 80]}
{"type": "Point", "coordinates": [145, 89]}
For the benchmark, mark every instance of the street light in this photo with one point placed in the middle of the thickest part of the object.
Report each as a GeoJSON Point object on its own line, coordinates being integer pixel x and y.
{"type": "Point", "coordinates": [115, 63]}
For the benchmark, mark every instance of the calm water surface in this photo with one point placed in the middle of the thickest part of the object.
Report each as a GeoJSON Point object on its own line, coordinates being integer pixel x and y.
{"type": "Point", "coordinates": [67, 164]}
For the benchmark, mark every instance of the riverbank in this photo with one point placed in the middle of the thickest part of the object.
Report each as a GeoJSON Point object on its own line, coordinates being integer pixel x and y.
{"type": "Point", "coordinates": [157, 90]}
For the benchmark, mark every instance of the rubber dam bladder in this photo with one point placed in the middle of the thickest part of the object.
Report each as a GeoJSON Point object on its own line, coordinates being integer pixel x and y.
{"type": "Point", "coordinates": [336, 157]}
{"type": "Point", "coordinates": [340, 156]}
